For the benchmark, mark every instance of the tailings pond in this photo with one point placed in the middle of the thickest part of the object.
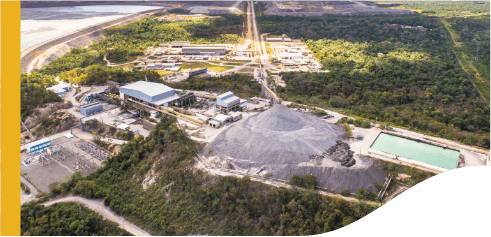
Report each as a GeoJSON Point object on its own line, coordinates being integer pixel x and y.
{"type": "Point", "coordinates": [416, 150]}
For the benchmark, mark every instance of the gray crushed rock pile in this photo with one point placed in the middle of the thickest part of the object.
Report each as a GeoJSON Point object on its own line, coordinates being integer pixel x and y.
{"type": "Point", "coordinates": [340, 152]}
{"type": "Point", "coordinates": [279, 141]}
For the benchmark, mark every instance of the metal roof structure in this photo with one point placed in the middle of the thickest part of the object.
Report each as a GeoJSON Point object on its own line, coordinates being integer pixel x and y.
{"type": "Point", "coordinates": [148, 88]}
{"type": "Point", "coordinates": [179, 43]}
{"type": "Point", "coordinates": [166, 100]}
{"type": "Point", "coordinates": [35, 143]}
{"type": "Point", "coordinates": [225, 95]}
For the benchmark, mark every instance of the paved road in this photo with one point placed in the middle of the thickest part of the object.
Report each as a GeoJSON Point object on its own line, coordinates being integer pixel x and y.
{"type": "Point", "coordinates": [98, 206]}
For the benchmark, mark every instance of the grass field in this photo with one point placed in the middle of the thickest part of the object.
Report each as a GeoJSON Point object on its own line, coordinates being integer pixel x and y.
{"type": "Point", "coordinates": [163, 72]}
{"type": "Point", "coordinates": [216, 68]}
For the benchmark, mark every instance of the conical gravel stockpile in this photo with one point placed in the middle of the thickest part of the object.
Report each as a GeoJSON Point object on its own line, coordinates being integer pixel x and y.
{"type": "Point", "coordinates": [280, 141]}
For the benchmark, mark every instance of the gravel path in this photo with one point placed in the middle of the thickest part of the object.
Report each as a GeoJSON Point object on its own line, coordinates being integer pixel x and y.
{"type": "Point", "coordinates": [27, 198]}
{"type": "Point", "coordinates": [98, 206]}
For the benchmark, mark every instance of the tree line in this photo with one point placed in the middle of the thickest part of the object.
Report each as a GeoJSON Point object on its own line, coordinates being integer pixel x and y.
{"type": "Point", "coordinates": [184, 200]}
{"type": "Point", "coordinates": [386, 73]}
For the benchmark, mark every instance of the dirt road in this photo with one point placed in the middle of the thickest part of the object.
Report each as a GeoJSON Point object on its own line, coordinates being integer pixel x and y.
{"type": "Point", "coordinates": [98, 206]}
{"type": "Point", "coordinates": [27, 198]}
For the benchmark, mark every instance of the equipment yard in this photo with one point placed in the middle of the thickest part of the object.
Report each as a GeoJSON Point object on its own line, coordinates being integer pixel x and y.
{"type": "Point", "coordinates": [67, 156]}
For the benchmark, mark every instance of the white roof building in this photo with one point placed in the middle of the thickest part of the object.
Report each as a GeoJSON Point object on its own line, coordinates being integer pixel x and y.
{"type": "Point", "coordinates": [227, 99]}
{"type": "Point", "coordinates": [222, 118]}
{"type": "Point", "coordinates": [151, 92]}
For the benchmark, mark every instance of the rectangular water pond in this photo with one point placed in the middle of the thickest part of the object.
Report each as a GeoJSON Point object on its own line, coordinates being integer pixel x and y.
{"type": "Point", "coordinates": [416, 150]}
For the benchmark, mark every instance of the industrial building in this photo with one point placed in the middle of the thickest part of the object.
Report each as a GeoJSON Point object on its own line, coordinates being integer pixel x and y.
{"type": "Point", "coordinates": [204, 50]}
{"type": "Point", "coordinates": [38, 146]}
{"type": "Point", "coordinates": [179, 44]}
{"type": "Point", "coordinates": [227, 102]}
{"type": "Point", "coordinates": [243, 103]}
{"type": "Point", "coordinates": [291, 56]}
{"type": "Point", "coordinates": [274, 40]}
{"type": "Point", "coordinates": [173, 69]}
{"type": "Point", "coordinates": [158, 66]}
{"type": "Point", "coordinates": [154, 94]}
{"type": "Point", "coordinates": [91, 108]}
{"type": "Point", "coordinates": [198, 71]}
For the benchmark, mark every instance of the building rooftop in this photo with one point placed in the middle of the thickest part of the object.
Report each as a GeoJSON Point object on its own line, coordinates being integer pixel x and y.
{"type": "Point", "coordinates": [224, 95]}
{"type": "Point", "coordinates": [148, 88]}
{"type": "Point", "coordinates": [35, 143]}
{"type": "Point", "coordinates": [166, 100]}
{"type": "Point", "coordinates": [90, 105]}
{"type": "Point", "coordinates": [231, 99]}
{"type": "Point", "coordinates": [219, 48]}
{"type": "Point", "coordinates": [221, 117]}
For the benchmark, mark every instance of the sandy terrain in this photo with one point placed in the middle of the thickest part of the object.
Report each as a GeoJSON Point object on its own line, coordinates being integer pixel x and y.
{"type": "Point", "coordinates": [41, 24]}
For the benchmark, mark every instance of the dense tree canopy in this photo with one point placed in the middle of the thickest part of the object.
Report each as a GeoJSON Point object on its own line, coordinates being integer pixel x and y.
{"type": "Point", "coordinates": [65, 219]}
{"type": "Point", "coordinates": [384, 72]}
{"type": "Point", "coordinates": [240, 84]}
{"type": "Point", "coordinates": [33, 92]}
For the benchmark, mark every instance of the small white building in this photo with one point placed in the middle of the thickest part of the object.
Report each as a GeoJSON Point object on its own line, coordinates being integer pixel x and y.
{"type": "Point", "coordinates": [223, 119]}
{"type": "Point", "coordinates": [214, 124]}
{"type": "Point", "coordinates": [124, 126]}
{"type": "Point", "coordinates": [61, 88]}
{"type": "Point", "coordinates": [173, 69]}
{"type": "Point", "coordinates": [236, 116]}
{"type": "Point", "coordinates": [291, 56]}
{"type": "Point", "coordinates": [243, 103]}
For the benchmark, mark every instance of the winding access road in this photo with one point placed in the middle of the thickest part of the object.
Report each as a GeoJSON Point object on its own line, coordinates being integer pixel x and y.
{"type": "Point", "coordinates": [98, 206]}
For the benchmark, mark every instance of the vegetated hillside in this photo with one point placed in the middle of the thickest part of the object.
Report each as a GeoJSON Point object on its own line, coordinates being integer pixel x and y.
{"type": "Point", "coordinates": [240, 84]}
{"type": "Point", "coordinates": [65, 219]}
{"type": "Point", "coordinates": [33, 92]}
{"type": "Point", "coordinates": [472, 48]}
{"type": "Point", "coordinates": [184, 200]}
{"type": "Point", "coordinates": [97, 75]}
{"type": "Point", "coordinates": [125, 43]}
{"type": "Point", "coordinates": [383, 72]}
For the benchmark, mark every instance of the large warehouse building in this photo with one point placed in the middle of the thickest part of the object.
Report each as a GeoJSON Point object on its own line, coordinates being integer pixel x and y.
{"type": "Point", "coordinates": [154, 94]}
{"type": "Point", "coordinates": [204, 50]}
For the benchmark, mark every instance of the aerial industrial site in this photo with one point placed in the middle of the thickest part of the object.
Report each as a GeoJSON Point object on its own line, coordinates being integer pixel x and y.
{"type": "Point", "coordinates": [243, 130]}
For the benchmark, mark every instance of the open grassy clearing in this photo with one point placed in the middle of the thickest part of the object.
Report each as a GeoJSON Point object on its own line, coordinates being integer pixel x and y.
{"type": "Point", "coordinates": [215, 68]}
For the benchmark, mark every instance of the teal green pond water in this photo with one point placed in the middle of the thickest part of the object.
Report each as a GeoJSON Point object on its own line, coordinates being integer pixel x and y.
{"type": "Point", "coordinates": [419, 151]}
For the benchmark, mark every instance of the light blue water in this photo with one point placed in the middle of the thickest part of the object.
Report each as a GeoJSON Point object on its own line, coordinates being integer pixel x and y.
{"type": "Point", "coordinates": [419, 151]}
{"type": "Point", "coordinates": [58, 14]}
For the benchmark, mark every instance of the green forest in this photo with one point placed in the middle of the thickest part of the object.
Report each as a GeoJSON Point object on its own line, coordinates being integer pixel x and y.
{"type": "Point", "coordinates": [186, 201]}
{"type": "Point", "coordinates": [471, 45]}
{"type": "Point", "coordinates": [441, 9]}
{"type": "Point", "coordinates": [379, 71]}
{"type": "Point", "coordinates": [33, 92]}
{"type": "Point", "coordinates": [65, 219]}
{"type": "Point", "coordinates": [240, 84]}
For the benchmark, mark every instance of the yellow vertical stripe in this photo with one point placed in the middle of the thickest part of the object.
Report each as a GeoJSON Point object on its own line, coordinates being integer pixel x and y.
{"type": "Point", "coordinates": [10, 116]}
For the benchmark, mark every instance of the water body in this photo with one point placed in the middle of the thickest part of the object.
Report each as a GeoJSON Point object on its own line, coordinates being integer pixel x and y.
{"type": "Point", "coordinates": [40, 24]}
{"type": "Point", "coordinates": [419, 151]}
